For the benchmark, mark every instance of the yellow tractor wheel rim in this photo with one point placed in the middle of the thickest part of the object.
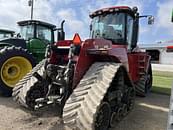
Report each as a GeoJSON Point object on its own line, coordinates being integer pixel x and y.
{"type": "Point", "coordinates": [14, 69]}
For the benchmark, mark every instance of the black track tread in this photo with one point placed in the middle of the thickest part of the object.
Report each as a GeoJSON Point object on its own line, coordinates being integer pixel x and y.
{"type": "Point", "coordinates": [24, 85]}
{"type": "Point", "coordinates": [81, 107]}
{"type": "Point", "coordinates": [140, 87]}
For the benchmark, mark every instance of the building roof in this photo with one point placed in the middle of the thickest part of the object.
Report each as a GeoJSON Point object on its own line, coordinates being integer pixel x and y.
{"type": "Point", "coordinates": [158, 45]}
{"type": "Point", "coordinates": [27, 22]}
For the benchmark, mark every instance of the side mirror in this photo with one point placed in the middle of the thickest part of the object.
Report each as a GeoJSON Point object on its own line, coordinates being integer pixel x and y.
{"type": "Point", "coordinates": [18, 35]}
{"type": "Point", "coordinates": [150, 20]}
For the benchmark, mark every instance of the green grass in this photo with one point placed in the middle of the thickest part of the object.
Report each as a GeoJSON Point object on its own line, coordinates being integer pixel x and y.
{"type": "Point", "coordinates": [162, 82]}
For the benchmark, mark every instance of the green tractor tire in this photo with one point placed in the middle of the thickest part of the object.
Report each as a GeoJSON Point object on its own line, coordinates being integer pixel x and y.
{"type": "Point", "coordinates": [15, 63]}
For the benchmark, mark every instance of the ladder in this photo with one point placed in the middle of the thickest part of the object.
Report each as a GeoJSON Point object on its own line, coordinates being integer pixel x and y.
{"type": "Point", "coordinates": [141, 65]}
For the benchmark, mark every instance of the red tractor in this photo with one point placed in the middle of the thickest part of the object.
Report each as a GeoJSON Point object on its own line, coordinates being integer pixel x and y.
{"type": "Point", "coordinates": [95, 81]}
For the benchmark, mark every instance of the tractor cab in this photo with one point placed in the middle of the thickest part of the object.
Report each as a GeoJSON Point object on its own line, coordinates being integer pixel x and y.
{"type": "Point", "coordinates": [38, 35]}
{"type": "Point", "coordinates": [120, 25]}
{"type": "Point", "coordinates": [6, 33]}
{"type": "Point", "coordinates": [117, 24]}
{"type": "Point", "coordinates": [30, 29]}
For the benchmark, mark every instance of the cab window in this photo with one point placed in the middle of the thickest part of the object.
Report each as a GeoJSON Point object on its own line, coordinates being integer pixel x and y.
{"type": "Point", "coordinates": [44, 34]}
{"type": "Point", "coordinates": [110, 27]}
{"type": "Point", "coordinates": [27, 32]}
{"type": "Point", "coordinates": [129, 30]}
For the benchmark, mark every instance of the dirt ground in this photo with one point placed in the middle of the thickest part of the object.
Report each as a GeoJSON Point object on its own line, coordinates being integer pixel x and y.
{"type": "Point", "coordinates": [149, 114]}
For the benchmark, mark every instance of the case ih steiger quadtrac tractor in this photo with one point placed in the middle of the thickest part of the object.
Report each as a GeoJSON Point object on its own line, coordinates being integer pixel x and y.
{"type": "Point", "coordinates": [94, 81]}
{"type": "Point", "coordinates": [19, 55]}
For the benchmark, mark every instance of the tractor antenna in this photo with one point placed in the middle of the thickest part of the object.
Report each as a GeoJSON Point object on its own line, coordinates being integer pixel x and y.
{"type": "Point", "coordinates": [31, 4]}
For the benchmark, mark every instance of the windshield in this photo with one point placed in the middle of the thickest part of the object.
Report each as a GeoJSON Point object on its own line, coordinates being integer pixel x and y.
{"type": "Point", "coordinates": [27, 32]}
{"type": "Point", "coordinates": [44, 34]}
{"type": "Point", "coordinates": [111, 27]}
{"type": "Point", "coordinates": [5, 35]}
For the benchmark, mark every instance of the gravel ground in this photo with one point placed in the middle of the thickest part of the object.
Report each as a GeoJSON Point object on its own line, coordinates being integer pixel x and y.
{"type": "Point", "coordinates": [149, 114]}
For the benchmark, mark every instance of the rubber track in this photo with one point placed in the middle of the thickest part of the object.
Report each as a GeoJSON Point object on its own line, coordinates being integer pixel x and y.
{"type": "Point", "coordinates": [140, 87]}
{"type": "Point", "coordinates": [24, 85]}
{"type": "Point", "coordinates": [81, 107]}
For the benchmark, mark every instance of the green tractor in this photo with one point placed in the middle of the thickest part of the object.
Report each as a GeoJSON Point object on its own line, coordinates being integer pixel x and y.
{"type": "Point", "coordinates": [6, 33]}
{"type": "Point", "coordinates": [18, 55]}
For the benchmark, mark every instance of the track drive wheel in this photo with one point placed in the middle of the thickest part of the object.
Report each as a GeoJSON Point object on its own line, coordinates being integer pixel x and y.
{"type": "Point", "coordinates": [15, 63]}
{"type": "Point", "coordinates": [144, 85]}
{"type": "Point", "coordinates": [30, 88]}
{"type": "Point", "coordinates": [97, 97]}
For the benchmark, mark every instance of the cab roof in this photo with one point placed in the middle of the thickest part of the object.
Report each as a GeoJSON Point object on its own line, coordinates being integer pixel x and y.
{"type": "Point", "coordinates": [111, 10]}
{"type": "Point", "coordinates": [28, 22]}
{"type": "Point", "coordinates": [6, 31]}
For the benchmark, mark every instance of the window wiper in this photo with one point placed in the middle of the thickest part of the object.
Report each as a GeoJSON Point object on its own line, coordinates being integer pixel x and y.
{"type": "Point", "coordinates": [97, 33]}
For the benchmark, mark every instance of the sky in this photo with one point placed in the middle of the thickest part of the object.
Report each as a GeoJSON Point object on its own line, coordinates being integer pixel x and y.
{"type": "Point", "coordinates": [76, 14]}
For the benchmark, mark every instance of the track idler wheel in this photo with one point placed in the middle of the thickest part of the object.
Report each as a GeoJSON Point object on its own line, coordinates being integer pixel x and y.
{"type": "Point", "coordinates": [34, 93]}
{"type": "Point", "coordinates": [130, 99]}
{"type": "Point", "coordinates": [102, 117]}
{"type": "Point", "coordinates": [118, 115]}
{"type": "Point", "coordinates": [125, 111]}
